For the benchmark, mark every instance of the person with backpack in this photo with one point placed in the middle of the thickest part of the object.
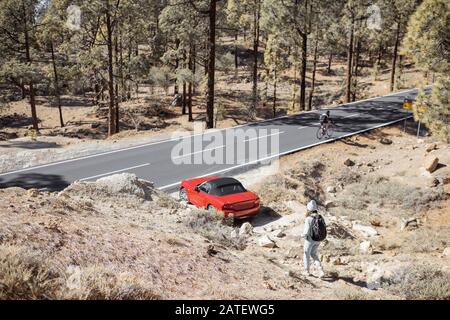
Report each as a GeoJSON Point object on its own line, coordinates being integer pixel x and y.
{"type": "Point", "coordinates": [314, 232]}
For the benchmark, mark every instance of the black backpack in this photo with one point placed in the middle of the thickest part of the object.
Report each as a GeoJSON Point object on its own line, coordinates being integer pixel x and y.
{"type": "Point", "coordinates": [318, 231]}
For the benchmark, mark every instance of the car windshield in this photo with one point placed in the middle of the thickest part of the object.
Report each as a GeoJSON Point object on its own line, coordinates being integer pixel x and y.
{"type": "Point", "coordinates": [228, 189]}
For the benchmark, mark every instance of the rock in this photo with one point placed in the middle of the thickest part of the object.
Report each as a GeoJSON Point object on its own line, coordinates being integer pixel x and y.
{"type": "Point", "coordinates": [431, 147]}
{"type": "Point", "coordinates": [410, 222]}
{"type": "Point", "coordinates": [379, 275]}
{"type": "Point", "coordinates": [366, 231]}
{"type": "Point", "coordinates": [331, 189]}
{"type": "Point", "coordinates": [266, 242]}
{"type": "Point", "coordinates": [375, 221]}
{"type": "Point", "coordinates": [278, 234]}
{"type": "Point", "coordinates": [349, 162]}
{"type": "Point", "coordinates": [124, 184]}
{"type": "Point", "coordinates": [446, 252]}
{"type": "Point", "coordinates": [337, 261]}
{"type": "Point", "coordinates": [385, 140]}
{"type": "Point", "coordinates": [33, 192]}
{"type": "Point", "coordinates": [234, 234]}
{"type": "Point", "coordinates": [430, 164]}
{"type": "Point", "coordinates": [433, 182]}
{"type": "Point", "coordinates": [245, 229]}
{"type": "Point", "coordinates": [330, 204]}
{"type": "Point", "coordinates": [366, 247]}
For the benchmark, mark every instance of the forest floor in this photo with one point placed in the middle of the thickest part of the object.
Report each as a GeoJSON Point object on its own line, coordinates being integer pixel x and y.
{"type": "Point", "coordinates": [84, 243]}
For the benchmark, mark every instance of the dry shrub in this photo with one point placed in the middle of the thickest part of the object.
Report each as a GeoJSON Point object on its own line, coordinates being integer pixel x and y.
{"type": "Point", "coordinates": [351, 294]}
{"type": "Point", "coordinates": [25, 275]}
{"type": "Point", "coordinates": [421, 282]}
{"type": "Point", "coordinates": [213, 226]}
{"type": "Point", "coordinates": [379, 191]}
{"type": "Point", "coordinates": [425, 239]}
{"type": "Point", "coordinates": [166, 201]}
{"type": "Point", "coordinates": [301, 183]}
{"type": "Point", "coordinates": [29, 275]}
{"type": "Point", "coordinates": [96, 283]}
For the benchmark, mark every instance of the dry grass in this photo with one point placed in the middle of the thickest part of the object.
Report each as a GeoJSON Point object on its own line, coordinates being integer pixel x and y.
{"type": "Point", "coordinates": [31, 275]}
{"type": "Point", "coordinates": [300, 183]}
{"type": "Point", "coordinates": [213, 226]}
{"type": "Point", "coordinates": [422, 282]}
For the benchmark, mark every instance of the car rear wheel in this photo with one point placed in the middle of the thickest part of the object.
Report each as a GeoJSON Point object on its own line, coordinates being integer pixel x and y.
{"type": "Point", "coordinates": [183, 195]}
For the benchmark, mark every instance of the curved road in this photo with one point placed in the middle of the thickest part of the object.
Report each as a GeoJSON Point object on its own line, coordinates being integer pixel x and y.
{"type": "Point", "coordinates": [154, 161]}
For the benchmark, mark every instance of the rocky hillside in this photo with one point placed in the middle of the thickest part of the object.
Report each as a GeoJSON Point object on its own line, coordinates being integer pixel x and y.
{"type": "Point", "coordinates": [385, 198]}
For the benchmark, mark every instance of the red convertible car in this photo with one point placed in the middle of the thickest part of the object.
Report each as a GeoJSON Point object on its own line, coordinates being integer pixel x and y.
{"type": "Point", "coordinates": [226, 195]}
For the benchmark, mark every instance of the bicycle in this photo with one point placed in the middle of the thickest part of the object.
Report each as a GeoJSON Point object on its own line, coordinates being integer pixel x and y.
{"type": "Point", "coordinates": [325, 131]}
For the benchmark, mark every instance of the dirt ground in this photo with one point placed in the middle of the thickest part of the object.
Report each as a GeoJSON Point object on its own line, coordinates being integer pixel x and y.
{"type": "Point", "coordinates": [119, 238]}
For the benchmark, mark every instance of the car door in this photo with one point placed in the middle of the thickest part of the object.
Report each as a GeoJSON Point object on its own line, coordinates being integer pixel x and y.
{"type": "Point", "coordinates": [198, 198]}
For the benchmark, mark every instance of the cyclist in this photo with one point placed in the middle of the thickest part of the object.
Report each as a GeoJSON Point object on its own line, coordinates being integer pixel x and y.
{"type": "Point", "coordinates": [325, 120]}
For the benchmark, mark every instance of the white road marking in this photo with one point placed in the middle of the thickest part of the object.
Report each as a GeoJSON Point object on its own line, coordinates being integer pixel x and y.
{"type": "Point", "coordinates": [290, 151]}
{"type": "Point", "coordinates": [218, 147]}
{"type": "Point", "coordinates": [116, 171]}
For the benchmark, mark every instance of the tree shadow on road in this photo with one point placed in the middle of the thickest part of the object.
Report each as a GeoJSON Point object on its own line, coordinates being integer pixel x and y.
{"type": "Point", "coordinates": [49, 182]}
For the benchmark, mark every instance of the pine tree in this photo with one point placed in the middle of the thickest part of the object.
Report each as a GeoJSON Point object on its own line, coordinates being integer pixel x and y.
{"type": "Point", "coordinates": [428, 42]}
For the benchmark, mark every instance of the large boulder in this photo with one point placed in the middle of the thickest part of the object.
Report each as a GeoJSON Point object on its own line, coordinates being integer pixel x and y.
{"type": "Point", "coordinates": [366, 231]}
{"type": "Point", "coordinates": [430, 164]}
{"type": "Point", "coordinates": [117, 185]}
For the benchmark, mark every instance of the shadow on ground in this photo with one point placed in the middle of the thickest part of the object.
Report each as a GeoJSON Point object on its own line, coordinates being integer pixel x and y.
{"type": "Point", "coordinates": [49, 182]}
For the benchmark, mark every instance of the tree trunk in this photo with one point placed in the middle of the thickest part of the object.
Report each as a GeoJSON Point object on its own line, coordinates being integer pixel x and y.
{"type": "Point", "coordinates": [183, 110]}
{"type": "Point", "coordinates": [190, 86]}
{"type": "Point", "coordinates": [111, 114]}
{"type": "Point", "coordinates": [57, 95]}
{"type": "Point", "coordinates": [330, 59]}
{"type": "Point", "coordinates": [256, 19]}
{"type": "Point", "coordinates": [117, 99]}
{"type": "Point", "coordinates": [303, 72]}
{"type": "Point", "coordinates": [28, 57]}
{"type": "Point", "coordinates": [356, 68]}
{"type": "Point", "coordinates": [348, 91]}
{"type": "Point", "coordinates": [236, 62]}
{"type": "Point", "coordinates": [211, 65]}
{"type": "Point", "coordinates": [394, 56]}
{"type": "Point", "coordinates": [313, 82]}
{"type": "Point", "coordinates": [274, 107]}
{"type": "Point", "coordinates": [175, 87]}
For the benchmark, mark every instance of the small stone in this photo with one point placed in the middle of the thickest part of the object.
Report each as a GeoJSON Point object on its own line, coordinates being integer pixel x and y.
{"type": "Point", "coordinates": [33, 192]}
{"type": "Point", "coordinates": [245, 229]}
{"type": "Point", "coordinates": [278, 234]}
{"type": "Point", "coordinates": [434, 182]}
{"type": "Point", "coordinates": [385, 140]}
{"type": "Point", "coordinates": [375, 221]}
{"type": "Point", "coordinates": [446, 252]}
{"type": "Point", "coordinates": [431, 147]}
{"type": "Point", "coordinates": [349, 162]}
{"type": "Point", "coordinates": [366, 247]}
{"type": "Point", "coordinates": [331, 189]}
{"type": "Point", "coordinates": [266, 242]}
{"type": "Point", "coordinates": [234, 234]}
{"type": "Point", "coordinates": [330, 204]}
{"type": "Point", "coordinates": [431, 163]}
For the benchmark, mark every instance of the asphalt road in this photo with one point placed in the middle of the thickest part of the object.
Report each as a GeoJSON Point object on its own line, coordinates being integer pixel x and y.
{"type": "Point", "coordinates": [154, 161]}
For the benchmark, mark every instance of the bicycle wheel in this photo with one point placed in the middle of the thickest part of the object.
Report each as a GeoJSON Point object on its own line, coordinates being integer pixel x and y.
{"type": "Point", "coordinates": [330, 131]}
{"type": "Point", "coordinates": [319, 133]}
